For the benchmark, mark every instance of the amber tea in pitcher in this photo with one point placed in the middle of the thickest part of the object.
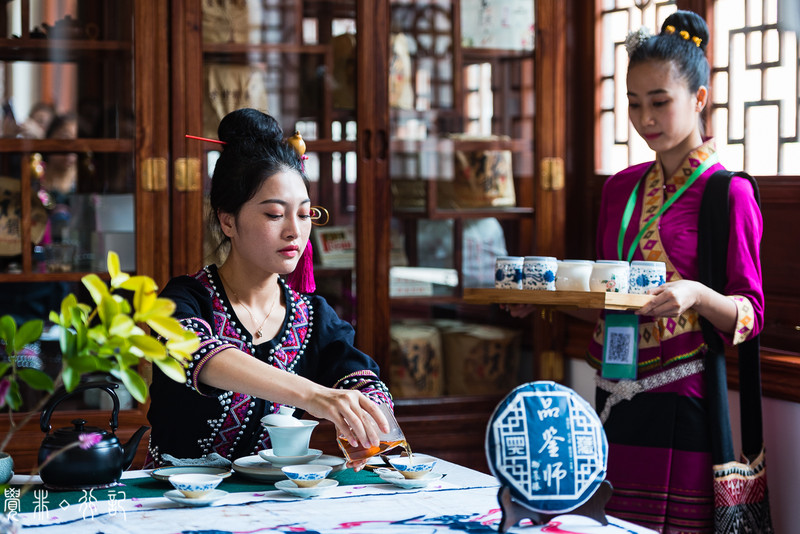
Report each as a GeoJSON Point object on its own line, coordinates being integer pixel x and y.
{"type": "Point", "coordinates": [389, 440]}
{"type": "Point", "coordinates": [360, 452]}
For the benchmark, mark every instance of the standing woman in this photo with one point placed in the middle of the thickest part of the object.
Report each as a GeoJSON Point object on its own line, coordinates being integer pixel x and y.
{"type": "Point", "coordinates": [263, 344]}
{"type": "Point", "coordinates": [659, 461]}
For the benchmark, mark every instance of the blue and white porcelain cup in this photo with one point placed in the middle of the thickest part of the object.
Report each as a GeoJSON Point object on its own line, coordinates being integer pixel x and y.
{"type": "Point", "coordinates": [646, 275]}
{"type": "Point", "coordinates": [610, 276]}
{"type": "Point", "coordinates": [539, 273]}
{"type": "Point", "coordinates": [508, 272]}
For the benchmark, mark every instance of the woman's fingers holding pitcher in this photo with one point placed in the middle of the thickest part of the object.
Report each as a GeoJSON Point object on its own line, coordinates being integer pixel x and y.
{"type": "Point", "coordinates": [350, 412]}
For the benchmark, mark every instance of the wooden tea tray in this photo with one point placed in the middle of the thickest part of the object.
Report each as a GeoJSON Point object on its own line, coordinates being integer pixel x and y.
{"type": "Point", "coordinates": [556, 299]}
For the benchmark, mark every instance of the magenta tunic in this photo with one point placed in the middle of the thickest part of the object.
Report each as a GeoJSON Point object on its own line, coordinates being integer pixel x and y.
{"type": "Point", "coordinates": [659, 458]}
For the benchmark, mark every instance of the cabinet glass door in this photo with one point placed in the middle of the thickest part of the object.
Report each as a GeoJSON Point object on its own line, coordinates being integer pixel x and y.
{"type": "Point", "coordinates": [461, 112]}
{"type": "Point", "coordinates": [67, 172]}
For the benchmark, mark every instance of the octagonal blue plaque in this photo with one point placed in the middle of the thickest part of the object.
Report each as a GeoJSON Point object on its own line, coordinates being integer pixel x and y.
{"type": "Point", "coordinates": [547, 445]}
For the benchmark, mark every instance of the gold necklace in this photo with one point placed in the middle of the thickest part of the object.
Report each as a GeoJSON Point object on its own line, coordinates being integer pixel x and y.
{"type": "Point", "coordinates": [260, 329]}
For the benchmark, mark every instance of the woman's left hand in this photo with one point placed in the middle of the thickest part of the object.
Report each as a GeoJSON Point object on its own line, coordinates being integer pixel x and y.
{"type": "Point", "coordinates": [672, 299]}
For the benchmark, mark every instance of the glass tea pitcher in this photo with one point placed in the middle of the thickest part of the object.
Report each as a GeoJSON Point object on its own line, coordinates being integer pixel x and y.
{"type": "Point", "coordinates": [388, 440]}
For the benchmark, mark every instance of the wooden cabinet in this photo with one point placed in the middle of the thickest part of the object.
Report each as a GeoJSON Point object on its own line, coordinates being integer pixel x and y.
{"type": "Point", "coordinates": [321, 67]}
{"type": "Point", "coordinates": [93, 181]}
{"type": "Point", "coordinates": [466, 101]}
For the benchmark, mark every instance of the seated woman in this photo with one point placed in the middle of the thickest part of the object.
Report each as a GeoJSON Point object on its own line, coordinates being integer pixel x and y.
{"type": "Point", "coordinates": [263, 343]}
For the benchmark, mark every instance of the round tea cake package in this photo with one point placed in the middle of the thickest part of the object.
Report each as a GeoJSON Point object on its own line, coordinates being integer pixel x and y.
{"type": "Point", "coordinates": [547, 445]}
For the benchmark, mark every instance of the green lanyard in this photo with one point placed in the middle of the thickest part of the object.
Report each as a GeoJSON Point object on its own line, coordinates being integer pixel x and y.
{"type": "Point", "coordinates": [626, 216]}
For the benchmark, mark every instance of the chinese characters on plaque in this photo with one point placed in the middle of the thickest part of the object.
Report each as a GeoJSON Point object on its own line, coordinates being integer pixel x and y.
{"type": "Point", "coordinates": [547, 445]}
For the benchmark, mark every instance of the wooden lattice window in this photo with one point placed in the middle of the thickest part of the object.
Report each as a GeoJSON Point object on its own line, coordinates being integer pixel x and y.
{"type": "Point", "coordinates": [755, 88]}
{"type": "Point", "coordinates": [755, 84]}
{"type": "Point", "coordinates": [620, 145]}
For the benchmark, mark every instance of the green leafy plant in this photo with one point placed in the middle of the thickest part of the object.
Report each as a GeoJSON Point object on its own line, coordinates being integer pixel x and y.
{"type": "Point", "coordinates": [108, 337]}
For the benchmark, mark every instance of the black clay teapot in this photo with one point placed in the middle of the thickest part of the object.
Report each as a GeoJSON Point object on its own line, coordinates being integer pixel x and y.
{"type": "Point", "coordinates": [75, 467]}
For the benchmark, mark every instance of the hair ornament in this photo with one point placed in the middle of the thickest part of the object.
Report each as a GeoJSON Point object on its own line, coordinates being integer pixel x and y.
{"type": "Point", "coordinates": [670, 29]}
{"type": "Point", "coordinates": [298, 144]}
{"type": "Point", "coordinates": [317, 213]}
{"type": "Point", "coordinates": [187, 136]}
{"type": "Point", "coordinates": [636, 38]}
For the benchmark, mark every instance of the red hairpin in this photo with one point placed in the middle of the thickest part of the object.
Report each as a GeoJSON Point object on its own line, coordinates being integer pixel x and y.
{"type": "Point", "coordinates": [205, 139]}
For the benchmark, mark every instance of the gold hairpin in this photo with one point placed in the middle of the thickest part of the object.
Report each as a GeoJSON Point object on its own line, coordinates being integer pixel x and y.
{"type": "Point", "coordinates": [670, 29]}
{"type": "Point", "coordinates": [697, 40]}
{"type": "Point", "coordinates": [684, 34]}
{"type": "Point", "coordinates": [317, 213]}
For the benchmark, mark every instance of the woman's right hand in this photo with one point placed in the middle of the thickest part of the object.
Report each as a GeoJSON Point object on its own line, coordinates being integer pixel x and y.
{"type": "Point", "coordinates": [355, 415]}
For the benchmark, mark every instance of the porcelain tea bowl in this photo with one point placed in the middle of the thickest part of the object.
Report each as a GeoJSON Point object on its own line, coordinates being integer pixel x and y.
{"type": "Point", "coordinates": [195, 485]}
{"type": "Point", "coordinates": [306, 475]}
{"type": "Point", "coordinates": [291, 440]}
{"type": "Point", "coordinates": [416, 466]}
{"type": "Point", "coordinates": [289, 436]}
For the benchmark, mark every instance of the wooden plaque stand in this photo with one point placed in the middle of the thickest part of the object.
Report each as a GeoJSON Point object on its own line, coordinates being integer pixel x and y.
{"type": "Point", "coordinates": [514, 512]}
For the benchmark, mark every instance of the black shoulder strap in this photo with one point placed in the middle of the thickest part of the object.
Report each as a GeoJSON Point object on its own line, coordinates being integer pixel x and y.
{"type": "Point", "coordinates": [713, 234]}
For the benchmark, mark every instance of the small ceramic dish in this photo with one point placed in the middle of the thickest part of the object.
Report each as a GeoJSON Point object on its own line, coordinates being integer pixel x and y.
{"type": "Point", "coordinates": [304, 493]}
{"type": "Point", "coordinates": [195, 485]}
{"type": "Point", "coordinates": [209, 498]}
{"type": "Point", "coordinates": [393, 477]}
{"type": "Point", "coordinates": [416, 466]}
{"type": "Point", "coordinates": [306, 475]}
{"type": "Point", "coordinates": [256, 468]}
{"type": "Point", "coordinates": [163, 473]}
{"type": "Point", "coordinates": [280, 461]}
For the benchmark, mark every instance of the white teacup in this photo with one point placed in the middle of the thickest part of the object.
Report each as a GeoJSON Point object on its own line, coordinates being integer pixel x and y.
{"type": "Point", "coordinates": [573, 275]}
{"type": "Point", "coordinates": [291, 440]}
{"type": "Point", "coordinates": [306, 475]}
{"type": "Point", "coordinates": [646, 275]}
{"type": "Point", "coordinates": [610, 276]}
{"type": "Point", "coordinates": [539, 273]}
{"type": "Point", "coordinates": [508, 272]}
{"type": "Point", "coordinates": [195, 485]}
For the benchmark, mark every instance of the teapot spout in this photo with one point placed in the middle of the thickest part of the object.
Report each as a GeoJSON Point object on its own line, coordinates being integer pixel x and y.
{"type": "Point", "coordinates": [131, 446]}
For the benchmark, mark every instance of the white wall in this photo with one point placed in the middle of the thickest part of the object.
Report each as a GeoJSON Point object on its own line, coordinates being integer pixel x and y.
{"type": "Point", "coordinates": [781, 435]}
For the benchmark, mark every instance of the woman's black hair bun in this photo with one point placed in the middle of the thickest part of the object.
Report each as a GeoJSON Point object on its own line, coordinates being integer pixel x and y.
{"type": "Point", "coordinates": [247, 125]}
{"type": "Point", "coordinates": [690, 22]}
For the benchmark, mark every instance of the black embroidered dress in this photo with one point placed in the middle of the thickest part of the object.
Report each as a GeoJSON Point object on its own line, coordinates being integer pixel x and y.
{"type": "Point", "coordinates": [192, 420]}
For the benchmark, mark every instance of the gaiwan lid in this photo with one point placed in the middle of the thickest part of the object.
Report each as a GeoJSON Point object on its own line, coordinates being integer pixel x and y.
{"type": "Point", "coordinates": [547, 445]}
{"type": "Point", "coordinates": [282, 418]}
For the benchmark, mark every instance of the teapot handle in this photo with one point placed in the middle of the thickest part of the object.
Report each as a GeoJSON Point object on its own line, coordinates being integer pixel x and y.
{"type": "Point", "coordinates": [108, 387]}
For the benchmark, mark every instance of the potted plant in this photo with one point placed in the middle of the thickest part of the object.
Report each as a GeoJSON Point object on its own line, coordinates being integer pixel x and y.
{"type": "Point", "coordinates": [106, 337]}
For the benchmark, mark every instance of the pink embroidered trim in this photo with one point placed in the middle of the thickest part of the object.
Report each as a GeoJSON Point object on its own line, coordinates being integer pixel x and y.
{"type": "Point", "coordinates": [200, 363]}
{"type": "Point", "coordinates": [745, 318]}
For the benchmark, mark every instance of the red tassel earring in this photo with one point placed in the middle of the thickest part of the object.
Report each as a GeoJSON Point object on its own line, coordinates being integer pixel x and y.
{"type": "Point", "coordinates": [302, 278]}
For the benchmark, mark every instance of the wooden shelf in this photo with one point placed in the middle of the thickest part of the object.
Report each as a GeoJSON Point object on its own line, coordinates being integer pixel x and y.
{"type": "Point", "coordinates": [475, 54]}
{"type": "Point", "coordinates": [67, 145]}
{"type": "Point", "coordinates": [557, 299]}
{"type": "Point", "coordinates": [62, 50]}
{"type": "Point", "coordinates": [465, 213]}
{"type": "Point", "coordinates": [445, 145]}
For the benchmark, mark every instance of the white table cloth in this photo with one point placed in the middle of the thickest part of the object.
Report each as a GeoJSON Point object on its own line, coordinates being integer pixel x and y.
{"type": "Point", "coordinates": [464, 501]}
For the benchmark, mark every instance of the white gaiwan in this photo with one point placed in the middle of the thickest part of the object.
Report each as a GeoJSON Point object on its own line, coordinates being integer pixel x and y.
{"type": "Point", "coordinates": [284, 417]}
{"type": "Point", "coordinates": [289, 436]}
